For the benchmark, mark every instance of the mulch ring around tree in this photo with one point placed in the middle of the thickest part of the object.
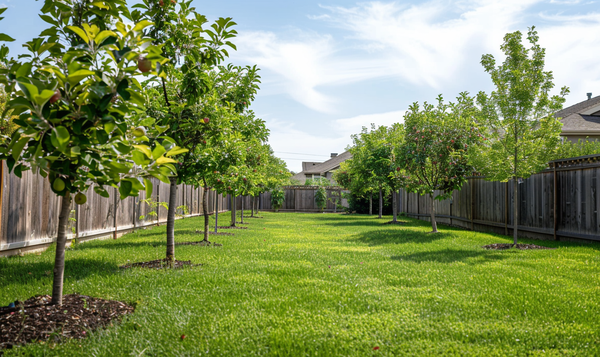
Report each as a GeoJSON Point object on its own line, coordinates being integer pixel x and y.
{"type": "Point", "coordinates": [503, 246]}
{"type": "Point", "coordinates": [255, 217]}
{"type": "Point", "coordinates": [215, 233]}
{"type": "Point", "coordinates": [36, 320]}
{"type": "Point", "coordinates": [203, 243]}
{"type": "Point", "coordinates": [230, 227]}
{"type": "Point", "coordinates": [160, 264]}
{"type": "Point", "coordinates": [392, 222]}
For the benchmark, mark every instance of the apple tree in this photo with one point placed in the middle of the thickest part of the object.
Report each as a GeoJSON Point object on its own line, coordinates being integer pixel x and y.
{"type": "Point", "coordinates": [77, 98]}
{"type": "Point", "coordinates": [192, 51]}
{"type": "Point", "coordinates": [436, 144]}
{"type": "Point", "coordinates": [518, 116]}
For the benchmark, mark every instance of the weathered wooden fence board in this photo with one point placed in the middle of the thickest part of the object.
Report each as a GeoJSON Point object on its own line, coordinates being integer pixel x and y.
{"type": "Point", "coordinates": [482, 204]}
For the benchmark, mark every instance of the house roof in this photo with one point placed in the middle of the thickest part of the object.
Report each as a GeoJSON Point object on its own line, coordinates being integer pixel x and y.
{"type": "Point", "coordinates": [578, 108]}
{"type": "Point", "coordinates": [309, 165]}
{"type": "Point", "coordinates": [578, 118]}
{"type": "Point", "coordinates": [329, 165]}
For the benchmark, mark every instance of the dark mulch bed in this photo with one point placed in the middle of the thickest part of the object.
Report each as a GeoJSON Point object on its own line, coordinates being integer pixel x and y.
{"type": "Point", "coordinates": [201, 243]}
{"type": "Point", "coordinates": [255, 217]}
{"type": "Point", "coordinates": [392, 222]}
{"type": "Point", "coordinates": [36, 320]}
{"type": "Point", "coordinates": [503, 246]}
{"type": "Point", "coordinates": [230, 227]}
{"type": "Point", "coordinates": [216, 233]}
{"type": "Point", "coordinates": [160, 264]}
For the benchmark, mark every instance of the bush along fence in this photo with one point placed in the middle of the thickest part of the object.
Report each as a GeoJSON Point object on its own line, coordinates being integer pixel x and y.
{"type": "Point", "coordinates": [30, 209]}
{"type": "Point", "coordinates": [561, 202]}
{"type": "Point", "coordinates": [303, 199]}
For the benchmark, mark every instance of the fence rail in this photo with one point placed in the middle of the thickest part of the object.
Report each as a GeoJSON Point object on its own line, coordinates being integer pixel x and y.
{"type": "Point", "coordinates": [561, 202]}
{"type": "Point", "coordinates": [302, 199]}
{"type": "Point", "coordinates": [29, 211]}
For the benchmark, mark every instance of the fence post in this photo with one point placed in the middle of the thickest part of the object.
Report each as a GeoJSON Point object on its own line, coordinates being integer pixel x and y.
{"type": "Point", "coordinates": [555, 203]}
{"type": "Point", "coordinates": [115, 215]}
{"type": "Point", "coordinates": [506, 208]}
{"type": "Point", "coordinates": [472, 204]}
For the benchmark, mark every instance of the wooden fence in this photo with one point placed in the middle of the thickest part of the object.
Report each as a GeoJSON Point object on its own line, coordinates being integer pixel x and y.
{"type": "Point", "coordinates": [561, 202]}
{"type": "Point", "coordinates": [29, 211]}
{"type": "Point", "coordinates": [302, 199]}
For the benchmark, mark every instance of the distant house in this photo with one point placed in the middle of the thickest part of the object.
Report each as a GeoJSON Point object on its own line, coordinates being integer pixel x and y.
{"type": "Point", "coordinates": [581, 120]}
{"type": "Point", "coordinates": [315, 170]}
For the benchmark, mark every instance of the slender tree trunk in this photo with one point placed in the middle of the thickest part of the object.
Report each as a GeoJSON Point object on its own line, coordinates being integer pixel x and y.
{"type": "Point", "coordinates": [370, 203]}
{"type": "Point", "coordinates": [252, 199]}
{"type": "Point", "coordinates": [233, 211]}
{"type": "Point", "coordinates": [516, 208]}
{"type": "Point", "coordinates": [380, 202]}
{"type": "Point", "coordinates": [433, 222]}
{"type": "Point", "coordinates": [59, 258]}
{"type": "Point", "coordinates": [171, 220]}
{"type": "Point", "coordinates": [395, 208]}
{"type": "Point", "coordinates": [216, 212]}
{"type": "Point", "coordinates": [205, 210]}
{"type": "Point", "coordinates": [242, 214]}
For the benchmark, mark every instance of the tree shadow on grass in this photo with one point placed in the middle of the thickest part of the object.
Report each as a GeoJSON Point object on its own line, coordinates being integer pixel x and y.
{"type": "Point", "coordinates": [35, 272]}
{"type": "Point", "coordinates": [453, 255]}
{"type": "Point", "coordinates": [381, 237]}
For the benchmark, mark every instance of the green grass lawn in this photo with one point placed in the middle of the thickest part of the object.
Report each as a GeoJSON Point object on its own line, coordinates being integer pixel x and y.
{"type": "Point", "coordinates": [328, 285]}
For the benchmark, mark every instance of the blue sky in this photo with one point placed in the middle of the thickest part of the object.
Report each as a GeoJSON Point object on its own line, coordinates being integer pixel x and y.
{"type": "Point", "coordinates": [330, 67]}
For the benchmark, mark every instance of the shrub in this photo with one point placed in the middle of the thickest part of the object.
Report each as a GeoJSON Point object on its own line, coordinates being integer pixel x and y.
{"type": "Point", "coordinates": [277, 198]}
{"type": "Point", "coordinates": [321, 198]}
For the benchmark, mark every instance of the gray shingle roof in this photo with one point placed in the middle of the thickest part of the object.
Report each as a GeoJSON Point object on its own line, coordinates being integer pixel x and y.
{"type": "Point", "coordinates": [578, 108]}
{"type": "Point", "coordinates": [329, 165]}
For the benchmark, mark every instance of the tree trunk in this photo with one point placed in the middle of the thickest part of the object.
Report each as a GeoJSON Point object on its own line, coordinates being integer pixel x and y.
{"type": "Point", "coordinates": [395, 206]}
{"type": "Point", "coordinates": [380, 202]}
{"type": "Point", "coordinates": [516, 209]}
{"type": "Point", "coordinates": [233, 211]}
{"type": "Point", "coordinates": [171, 220]}
{"type": "Point", "coordinates": [242, 212]}
{"type": "Point", "coordinates": [216, 212]}
{"type": "Point", "coordinates": [252, 205]}
{"type": "Point", "coordinates": [59, 258]}
{"type": "Point", "coordinates": [433, 222]}
{"type": "Point", "coordinates": [370, 203]}
{"type": "Point", "coordinates": [205, 210]}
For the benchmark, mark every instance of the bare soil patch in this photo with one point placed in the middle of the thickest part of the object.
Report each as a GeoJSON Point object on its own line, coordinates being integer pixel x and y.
{"type": "Point", "coordinates": [503, 246]}
{"type": "Point", "coordinates": [215, 233]}
{"type": "Point", "coordinates": [230, 227]}
{"type": "Point", "coordinates": [202, 243]}
{"type": "Point", "coordinates": [160, 264]}
{"type": "Point", "coordinates": [36, 320]}
{"type": "Point", "coordinates": [392, 222]}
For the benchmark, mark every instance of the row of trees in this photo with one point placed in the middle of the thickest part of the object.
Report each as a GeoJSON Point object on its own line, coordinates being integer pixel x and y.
{"type": "Point", "coordinates": [508, 134]}
{"type": "Point", "coordinates": [109, 96]}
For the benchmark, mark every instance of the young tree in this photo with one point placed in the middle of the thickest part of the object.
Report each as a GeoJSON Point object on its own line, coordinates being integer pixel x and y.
{"type": "Point", "coordinates": [435, 148]}
{"type": "Point", "coordinates": [77, 100]}
{"type": "Point", "coordinates": [370, 157]}
{"type": "Point", "coordinates": [192, 51]}
{"type": "Point", "coordinates": [518, 116]}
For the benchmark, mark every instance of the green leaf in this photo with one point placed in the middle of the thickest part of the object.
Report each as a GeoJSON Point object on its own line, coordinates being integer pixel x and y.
{"type": "Point", "coordinates": [5, 38]}
{"type": "Point", "coordinates": [101, 191]}
{"type": "Point", "coordinates": [103, 35]}
{"type": "Point", "coordinates": [18, 148]}
{"type": "Point", "coordinates": [149, 188]}
{"type": "Point", "coordinates": [145, 149]}
{"type": "Point", "coordinates": [158, 151]}
{"type": "Point", "coordinates": [101, 5]}
{"type": "Point", "coordinates": [60, 138]}
{"type": "Point", "coordinates": [176, 151]}
{"type": "Point", "coordinates": [142, 25]}
{"type": "Point", "coordinates": [79, 33]}
{"type": "Point", "coordinates": [43, 97]}
{"type": "Point", "coordinates": [125, 189]}
{"type": "Point", "coordinates": [165, 160]}
{"type": "Point", "coordinates": [77, 76]}
{"type": "Point", "coordinates": [139, 158]}
{"type": "Point", "coordinates": [29, 89]}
